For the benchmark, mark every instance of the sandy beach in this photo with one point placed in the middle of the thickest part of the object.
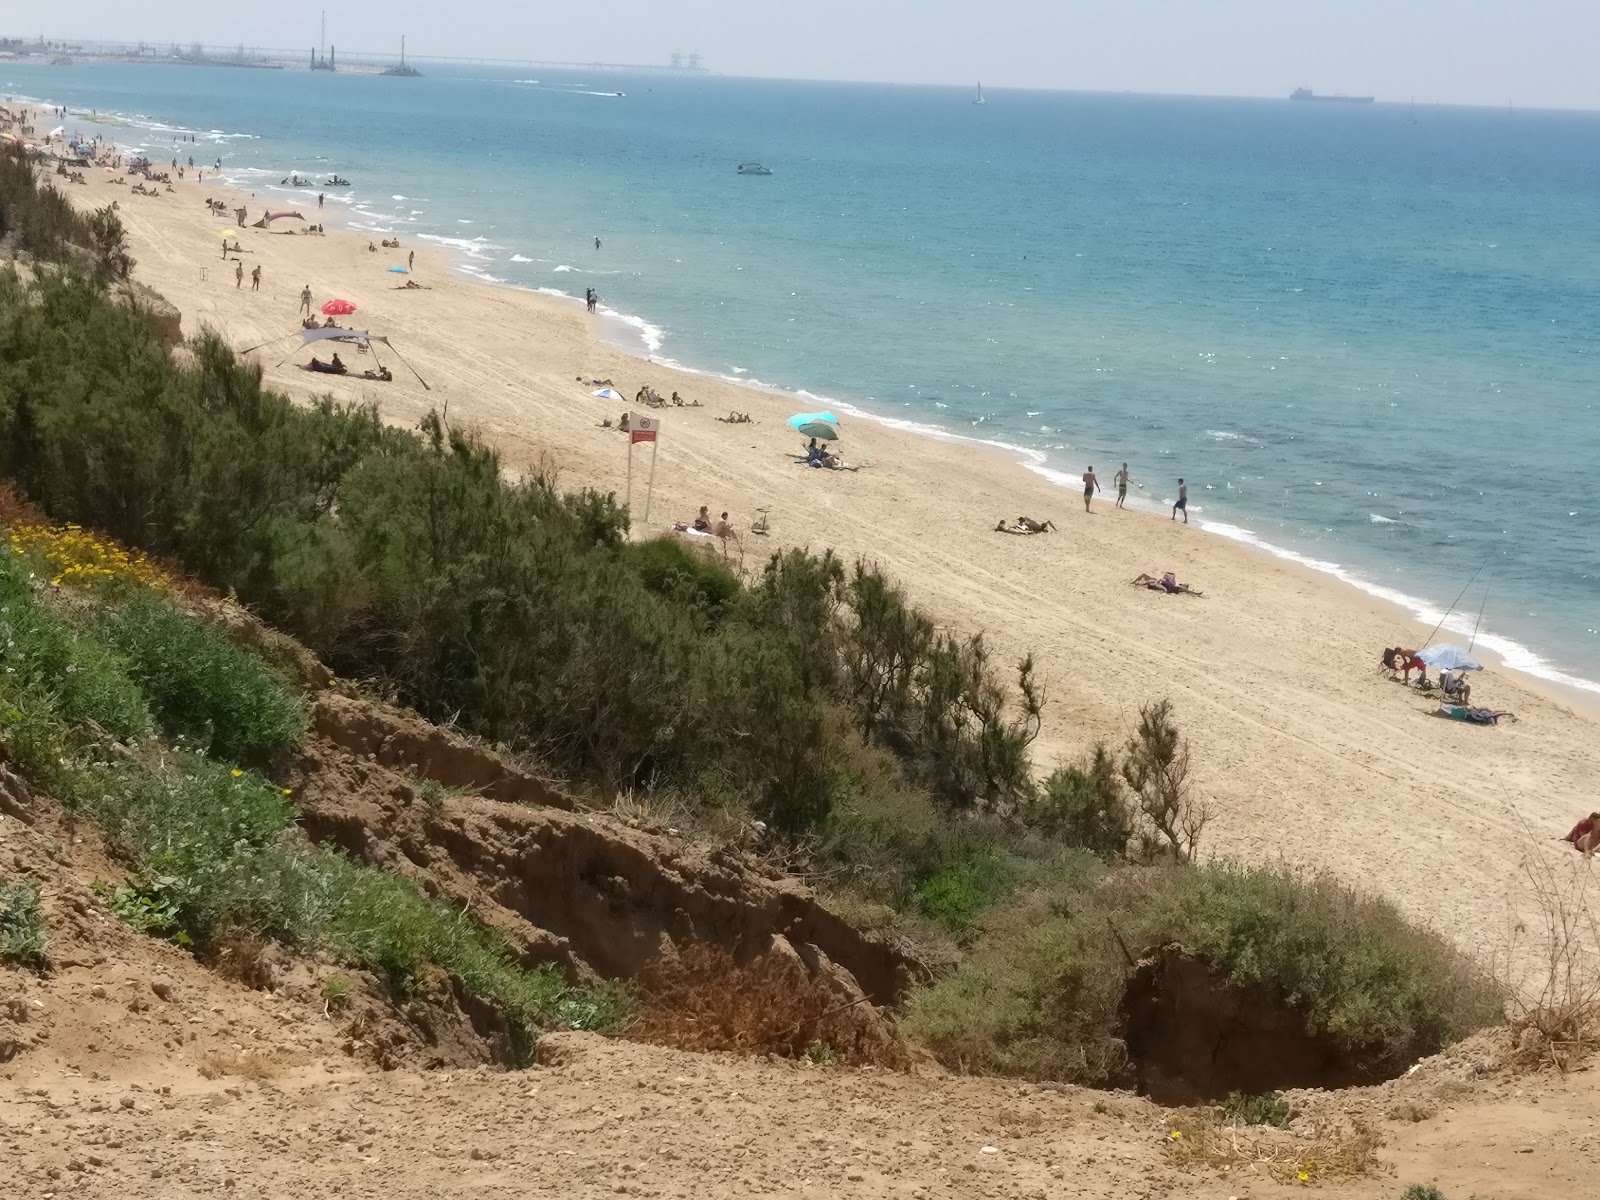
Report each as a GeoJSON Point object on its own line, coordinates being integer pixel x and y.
{"type": "Point", "coordinates": [1304, 752]}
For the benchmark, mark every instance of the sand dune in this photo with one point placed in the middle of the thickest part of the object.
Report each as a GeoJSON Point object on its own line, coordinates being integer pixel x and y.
{"type": "Point", "coordinates": [1303, 751]}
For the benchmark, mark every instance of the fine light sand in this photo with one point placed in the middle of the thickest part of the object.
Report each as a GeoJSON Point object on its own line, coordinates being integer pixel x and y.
{"type": "Point", "coordinates": [1303, 751]}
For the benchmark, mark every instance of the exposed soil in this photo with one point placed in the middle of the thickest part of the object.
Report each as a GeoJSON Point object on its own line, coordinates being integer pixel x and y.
{"type": "Point", "coordinates": [1195, 1037]}
{"type": "Point", "coordinates": [585, 891]}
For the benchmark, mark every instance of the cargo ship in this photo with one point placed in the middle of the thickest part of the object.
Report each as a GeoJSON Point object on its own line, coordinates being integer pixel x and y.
{"type": "Point", "coordinates": [1308, 94]}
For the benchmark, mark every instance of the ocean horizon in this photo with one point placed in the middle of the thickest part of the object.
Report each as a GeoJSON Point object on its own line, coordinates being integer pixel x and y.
{"type": "Point", "coordinates": [1359, 332]}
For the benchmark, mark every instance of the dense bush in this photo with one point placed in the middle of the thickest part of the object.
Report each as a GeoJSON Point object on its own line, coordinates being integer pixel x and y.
{"type": "Point", "coordinates": [201, 686]}
{"type": "Point", "coordinates": [1041, 995]}
{"type": "Point", "coordinates": [1084, 805]}
{"type": "Point", "coordinates": [40, 221]}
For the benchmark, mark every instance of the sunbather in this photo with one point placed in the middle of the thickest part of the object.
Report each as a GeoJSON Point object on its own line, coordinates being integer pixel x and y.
{"type": "Point", "coordinates": [1453, 685]}
{"type": "Point", "coordinates": [736, 418]}
{"type": "Point", "coordinates": [1168, 583]}
{"type": "Point", "coordinates": [703, 521]}
{"type": "Point", "coordinates": [381, 374]}
{"type": "Point", "coordinates": [1475, 716]}
{"type": "Point", "coordinates": [328, 368]}
{"type": "Point", "coordinates": [1585, 835]}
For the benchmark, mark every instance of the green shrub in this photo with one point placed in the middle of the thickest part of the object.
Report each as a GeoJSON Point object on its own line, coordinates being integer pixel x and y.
{"type": "Point", "coordinates": [42, 656]}
{"type": "Point", "coordinates": [22, 933]}
{"type": "Point", "coordinates": [666, 566]}
{"type": "Point", "coordinates": [1041, 993]}
{"type": "Point", "coordinates": [1418, 1191]}
{"type": "Point", "coordinates": [202, 686]}
{"type": "Point", "coordinates": [1269, 1108]}
{"type": "Point", "coordinates": [1084, 806]}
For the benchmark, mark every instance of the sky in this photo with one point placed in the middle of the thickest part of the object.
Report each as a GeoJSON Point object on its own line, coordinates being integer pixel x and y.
{"type": "Point", "coordinates": [1534, 53]}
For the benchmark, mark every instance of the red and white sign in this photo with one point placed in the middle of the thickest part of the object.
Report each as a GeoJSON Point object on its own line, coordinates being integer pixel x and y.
{"type": "Point", "coordinates": [642, 428]}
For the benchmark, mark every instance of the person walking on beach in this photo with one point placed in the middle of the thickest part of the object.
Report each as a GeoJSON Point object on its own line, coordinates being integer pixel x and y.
{"type": "Point", "coordinates": [238, 273]}
{"type": "Point", "coordinates": [319, 199]}
{"type": "Point", "coordinates": [1121, 480]}
{"type": "Point", "coordinates": [255, 278]}
{"type": "Point", "coordinates": [1183, 502]}
{"type": "Point", "coordinates": [305, 300]}
{"type": "Point", "coordinates": [411, 259]}
{"type": "Point", "coordinates": [1090, 486]}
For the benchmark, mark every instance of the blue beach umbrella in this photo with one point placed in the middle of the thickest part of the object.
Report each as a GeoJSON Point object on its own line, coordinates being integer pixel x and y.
{"type": "Point", "coordinates": [821, 425]}
{"type": "Point", "coordinates": [1447, 656]}
{"type": "Point", "coordinates": [398, 270]}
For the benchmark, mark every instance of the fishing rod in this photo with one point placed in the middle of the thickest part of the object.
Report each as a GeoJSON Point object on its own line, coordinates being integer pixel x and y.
{"type": "Point", "coordinates": [1456, 601]}
{"type": "Point", "coordinates": [1479, 621]}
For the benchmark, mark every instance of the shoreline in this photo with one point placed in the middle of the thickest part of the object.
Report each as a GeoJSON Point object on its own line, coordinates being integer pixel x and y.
{"type": "Point", "coordinates": [1304, 754]}
{"type": "Point", "coordinates": [1503, 651]}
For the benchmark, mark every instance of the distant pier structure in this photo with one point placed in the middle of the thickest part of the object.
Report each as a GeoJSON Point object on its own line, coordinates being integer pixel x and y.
{"type": "Point", "coordinates": [321, 58]}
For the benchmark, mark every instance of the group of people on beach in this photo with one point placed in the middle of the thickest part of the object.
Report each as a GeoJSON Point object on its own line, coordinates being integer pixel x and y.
{"type": "Point", "coordinates": [1091, 485]}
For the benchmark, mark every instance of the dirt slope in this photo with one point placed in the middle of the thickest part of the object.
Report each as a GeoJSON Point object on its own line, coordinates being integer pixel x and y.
{"type": "Point", "coordinates": [132, 1072]}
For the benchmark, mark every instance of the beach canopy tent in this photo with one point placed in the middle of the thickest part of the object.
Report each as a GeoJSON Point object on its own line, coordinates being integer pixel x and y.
{"type": "Point", "coordinates": [1447, 656]}
{"type": "Point", "coordinates": [361, 337]}
{"type": "Point", "coordinates": [608, 394]}
{"type": "Point", "coordinates": [821, 425]}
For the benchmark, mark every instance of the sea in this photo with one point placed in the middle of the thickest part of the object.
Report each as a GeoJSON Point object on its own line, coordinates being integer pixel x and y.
{"type": "Point", "coordinates": [1365, 335]}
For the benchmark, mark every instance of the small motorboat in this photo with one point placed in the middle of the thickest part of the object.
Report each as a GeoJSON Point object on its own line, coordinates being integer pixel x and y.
{"type": "Point", "coordinates": [753, 169]}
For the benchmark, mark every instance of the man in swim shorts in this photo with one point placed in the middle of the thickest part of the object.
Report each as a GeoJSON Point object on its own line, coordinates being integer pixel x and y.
{"type": "Point", "coordinates": [1183, 502]}
{"type": "Point", "coordinates": [1090, 485]}
{"type": "Point", "coordinates": [1121, 480]}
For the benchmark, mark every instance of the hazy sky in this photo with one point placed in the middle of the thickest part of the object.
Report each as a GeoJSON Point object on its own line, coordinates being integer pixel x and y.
{"type": "Point", "coordinates": [1533, 52]}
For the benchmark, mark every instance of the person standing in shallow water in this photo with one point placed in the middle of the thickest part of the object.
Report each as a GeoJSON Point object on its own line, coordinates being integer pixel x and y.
{"type": "Point", "coordinates": [1090, 486]}
{"type": "Point", "coordinates": [597, 243]}
{"type": "Point", "coordinates": [1121, 478]}
{"type": "Point", "coordinates": [1182, 504]}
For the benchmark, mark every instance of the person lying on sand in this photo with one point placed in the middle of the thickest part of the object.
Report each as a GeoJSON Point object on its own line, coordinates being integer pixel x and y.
{"type": "Point", "coordinates": [382, 375]}
{"type": "Point", "coordinates": [328, 368]}
{"type": "Point", "coordinates": [1585, 835]}
{"type": "Point", "coordinates": [1025, 525]}
{"type": "Point", "coordinates": [679, 402]}
{"type": "Point", "coordinates": [595, 382]}
{"type": "Point", "coordinates": [411, 285]}
{"type": "Point", "coordinates": [1473, 715]}
{"type": "Point", "coordinates": [736, 418]}
{"type": "Point", "coordinates": [833, 462]}
{"type": "Point", "coordinates": [1168, 583]}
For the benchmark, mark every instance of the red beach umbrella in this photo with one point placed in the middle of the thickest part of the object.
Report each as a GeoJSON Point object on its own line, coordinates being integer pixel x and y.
{"type": "Point", "coordinates": [338, 308]}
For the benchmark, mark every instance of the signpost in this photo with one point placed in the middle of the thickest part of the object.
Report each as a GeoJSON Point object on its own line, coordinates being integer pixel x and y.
{"type": "Point", "coordinates": [642, 429]}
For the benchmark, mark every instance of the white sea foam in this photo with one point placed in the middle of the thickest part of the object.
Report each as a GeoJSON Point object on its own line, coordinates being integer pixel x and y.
{"type": "Point", "coordinates": [563, 267]}
{"type": "Point", "coordinates": [520, 258]}
{"type": "Point", "coordinates": [477, 247]}
{"type": "Point", "coordinates": [1380, 519]}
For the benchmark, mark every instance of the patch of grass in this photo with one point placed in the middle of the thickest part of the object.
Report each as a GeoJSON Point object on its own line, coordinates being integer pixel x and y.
{"type": "Point", "coordinates": [202, 686]}
{"type": "Point", "coordinates": [1040, 995]}
{"type": "Point", "coordinates": [1269, 1108]}
{"type": "Point", "coordinates": [1327, 1151]}
{"type": "Point", "coordinates": [22, 933]}
{"type": "Point", "coordinates": [44, 659]}
{"type": "Point", "coordinates": [1421, 1191]}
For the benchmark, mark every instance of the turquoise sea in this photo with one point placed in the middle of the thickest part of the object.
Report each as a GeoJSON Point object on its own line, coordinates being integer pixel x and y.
{"type": "Point", "coordinates": [1364, 334]}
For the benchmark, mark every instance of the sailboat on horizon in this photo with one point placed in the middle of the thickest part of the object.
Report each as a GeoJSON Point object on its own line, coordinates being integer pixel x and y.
{"type": "Point", "coordinates": [978, 99]}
